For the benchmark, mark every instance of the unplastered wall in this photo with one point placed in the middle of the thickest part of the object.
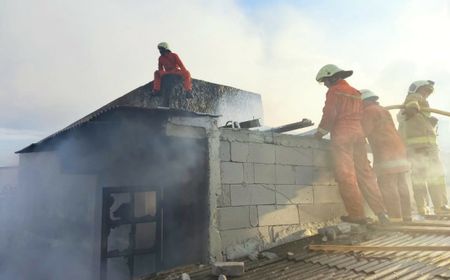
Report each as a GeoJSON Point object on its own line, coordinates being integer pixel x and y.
{"type": "Point", "coordinates": [275, 188]}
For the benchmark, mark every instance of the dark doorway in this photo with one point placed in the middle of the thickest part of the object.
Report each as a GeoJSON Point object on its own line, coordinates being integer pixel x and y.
{"type": "Point", "coordinates": [159, 220]}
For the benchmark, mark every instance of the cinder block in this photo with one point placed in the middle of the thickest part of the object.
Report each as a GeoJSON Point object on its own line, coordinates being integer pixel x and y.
{"type": "Point", "coordinates": [326, 194]}
{"type": "Point", "coordinates": [304, 175]}
{"type": "Point", "coordinates": [277, 215]}
{"type": "Point", "coordinates": [224, 198]}
{"type": "Point", "coordinates": [322, 158]}
{"type": "Point", "coordinates": [315, 213]}
{"type": "Point", "coordinates": [252, 195]}
{"type": "Point", "coordinates": [231, 172]}
{"type": "Point", "coordinates": [239, 152]}
{"type": "Point", "coordinates": [233, 135]}
{"type": "Point", "coordinates": [294, 155]}
{"type": "Point", "coordinates": [284, 234]}
{"type": "Point", "coordinates": [294, 194]}
{"type": "Point", "coordinates": [285, 174]}
{"type": "Point", "coordinates": [239, 236]}
{"type": "Point", "coordinates": [234, 217]}
{"type": "Point", "coordinates": [261, 153]}
{"type": "Point", "coordinates": [249, 173]}
{"type": "Point", "coordinates": [225, 151]}
{"type": "Point", "coordinates": [323, 176]}
{"type": "Point", "coordinates": [254, 216]}
{"type": "Point", "coordinates": [265, 173]}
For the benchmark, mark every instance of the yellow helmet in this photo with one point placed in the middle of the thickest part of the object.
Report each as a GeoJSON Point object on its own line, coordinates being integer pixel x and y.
{"type": "Point", "coordinates": [330, 70]}
{"type": "Point", "coordinates": [163, 45]}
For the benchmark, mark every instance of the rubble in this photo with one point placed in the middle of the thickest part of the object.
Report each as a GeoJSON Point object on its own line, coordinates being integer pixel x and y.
{"type": "Point", "coordinates": [185, 276]}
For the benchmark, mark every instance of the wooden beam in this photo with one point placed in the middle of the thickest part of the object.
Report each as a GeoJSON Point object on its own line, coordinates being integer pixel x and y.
{"type": "Point", "coordinates": [432, 223]}
{"type": "Point", "coordinates": [414, 229]}
{"type": "Point", "coordinates": [351, 248]}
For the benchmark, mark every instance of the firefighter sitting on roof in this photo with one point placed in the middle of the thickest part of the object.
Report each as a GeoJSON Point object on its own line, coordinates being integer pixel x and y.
{"type": "Point", "coordinates": [170, 63]}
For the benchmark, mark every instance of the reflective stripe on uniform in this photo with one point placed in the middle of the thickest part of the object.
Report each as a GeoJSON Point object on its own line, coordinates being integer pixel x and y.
{"type": "Point", "coordinates": [421, 140]}
{"type": "Point", "coordinates": [393, 164]}
{"type": "Point", "coordinates": [349, 95]}
{"type": "Point", "coordinates": [412, 104]}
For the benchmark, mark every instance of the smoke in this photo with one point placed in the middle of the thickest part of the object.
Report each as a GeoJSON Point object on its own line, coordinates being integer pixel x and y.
{"type": "Point", "coordinates": [61, 60]}
{"type": "Point", "coordinates": [52, 225]}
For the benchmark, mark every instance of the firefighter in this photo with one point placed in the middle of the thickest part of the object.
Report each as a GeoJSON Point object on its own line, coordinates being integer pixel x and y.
{"type": "Point", "coordinates": [389, 157]}
{"type": "Point", "coordinates": [341, 117]}
{"type": "Point", "coordinates": [418, 130]}
{"type": "Point", "coordinates": [170, 63]}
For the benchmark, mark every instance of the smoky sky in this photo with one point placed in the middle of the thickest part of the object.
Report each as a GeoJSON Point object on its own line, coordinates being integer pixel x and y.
{"type": "Point", "coordinates": [61, 60]}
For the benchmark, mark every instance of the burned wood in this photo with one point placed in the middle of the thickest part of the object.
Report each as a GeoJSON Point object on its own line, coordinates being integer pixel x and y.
{"type": "Point", "coordinates": [250, 123]}
{"type": "Point", "coordinates": [432, 223]}
{"type": "Point", "coordinates": [292, 126]}
{"type": "Point", "coordinates": [414, 229]}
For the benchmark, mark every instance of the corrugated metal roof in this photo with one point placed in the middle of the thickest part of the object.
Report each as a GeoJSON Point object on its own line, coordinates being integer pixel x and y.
{"type": "Point", "coordinates": [206, 96]}
{"type": "Point", "coordinates": [98, 113]}
{"type": "Point", "coordinates": [348, 265]}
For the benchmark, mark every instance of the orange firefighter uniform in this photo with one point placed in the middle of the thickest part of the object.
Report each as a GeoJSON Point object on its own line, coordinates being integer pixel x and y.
{"type": "Point", "coordinates": [341, 117]}
{"type": "Point", "coordinates": [419, 135]}
{"type": "Point", "coordinates": [390, 162]}
{"type": "Point", "coordinates": [170, 63]}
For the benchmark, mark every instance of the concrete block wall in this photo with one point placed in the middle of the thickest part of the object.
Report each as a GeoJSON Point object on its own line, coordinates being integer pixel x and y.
{"type": "Point", "coordinates": [275, 188]}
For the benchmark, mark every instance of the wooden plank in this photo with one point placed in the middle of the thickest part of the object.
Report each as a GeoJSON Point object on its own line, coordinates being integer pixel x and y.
{"type": "Point", "coordinates": [414, 229]}
{"type": "Point", "coordinates": [350, 248]}
{"type": "Point", "coordinates": [434, 223]}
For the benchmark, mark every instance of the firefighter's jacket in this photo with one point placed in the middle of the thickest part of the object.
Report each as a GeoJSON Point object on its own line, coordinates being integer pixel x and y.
{"type": "Point", "coordinates": [389, 152]}
{"type": "Point", "coordinates": [417, 131]}
{"type": "Point", "coordinates": [342, 111]}
{"type": "Point", "coordinates": [170, 62]}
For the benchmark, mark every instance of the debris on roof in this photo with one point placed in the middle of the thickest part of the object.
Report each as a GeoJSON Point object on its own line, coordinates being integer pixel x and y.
{"type": "Point", "coordinates": [403, 253]}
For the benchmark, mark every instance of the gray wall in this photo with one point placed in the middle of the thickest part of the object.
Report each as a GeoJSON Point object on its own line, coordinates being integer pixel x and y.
{"type": "Point", "coordinates": [275, 188]}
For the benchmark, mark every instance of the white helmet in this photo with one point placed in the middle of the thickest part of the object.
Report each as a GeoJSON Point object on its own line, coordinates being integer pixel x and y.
{"type": "Point", "coordinates": [164, 45]}
{"type": "Point", "coordinates": [417, 84]}
{"type": "Point", "coordinates": [365, 93]}
{"type": "Point", "coordinates": [330, 70]}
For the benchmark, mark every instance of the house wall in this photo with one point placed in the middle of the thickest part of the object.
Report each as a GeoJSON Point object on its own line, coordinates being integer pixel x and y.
{"type": "Point", "coordinates": [274, 188]}
{"type": "Point", "coordinates": [61, 191]}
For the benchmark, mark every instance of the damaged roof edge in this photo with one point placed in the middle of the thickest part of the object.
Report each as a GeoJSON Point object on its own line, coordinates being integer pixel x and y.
{"type": "Point", "coordinates": [91, 117]}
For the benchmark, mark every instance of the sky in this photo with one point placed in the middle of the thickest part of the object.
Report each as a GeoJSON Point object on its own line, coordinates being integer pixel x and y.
{"type": "Point", "coordinates": [60, 60]}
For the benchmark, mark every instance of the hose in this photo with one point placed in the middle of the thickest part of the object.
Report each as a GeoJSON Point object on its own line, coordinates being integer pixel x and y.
{"type": "Point", "coordinates": [431, 110]}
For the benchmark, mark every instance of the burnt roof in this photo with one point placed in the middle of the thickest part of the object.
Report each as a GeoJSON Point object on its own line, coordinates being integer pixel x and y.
{"type": "Point", "coordinates": [208, 101]}
{"type": "Point", "coordinates": [94, 116]}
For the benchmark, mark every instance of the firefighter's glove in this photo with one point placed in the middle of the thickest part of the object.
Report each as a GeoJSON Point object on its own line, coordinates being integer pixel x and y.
{"type": "Point", "coordinates": [433, 121]}
{"type": "Point", "coordinates": [318, 135]}
{"type": "Point", "coordinates": [410, 112]}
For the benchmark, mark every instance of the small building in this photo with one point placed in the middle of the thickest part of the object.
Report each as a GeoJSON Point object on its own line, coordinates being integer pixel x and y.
{"type": "Point", "coordinates": [136, 187]}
